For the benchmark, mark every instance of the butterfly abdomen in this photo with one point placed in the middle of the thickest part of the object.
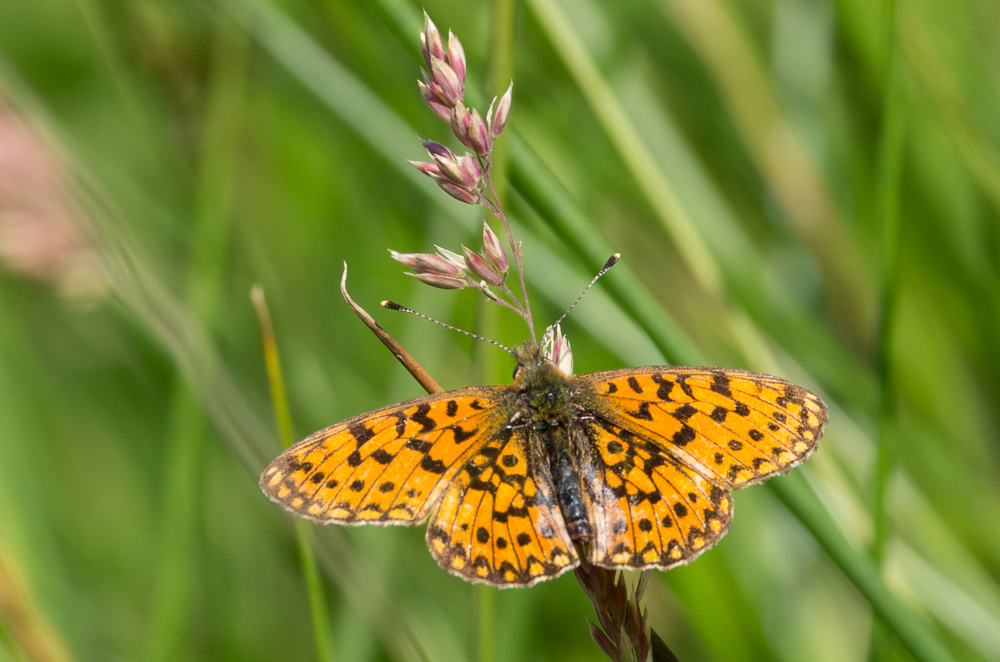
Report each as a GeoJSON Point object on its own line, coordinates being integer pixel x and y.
{"type": "Point", "coordinates": [568, 485]}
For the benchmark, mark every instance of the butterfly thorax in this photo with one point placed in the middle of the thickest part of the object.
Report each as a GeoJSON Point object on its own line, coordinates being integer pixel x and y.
{"type": "Point", "coordinates": [542, 395]}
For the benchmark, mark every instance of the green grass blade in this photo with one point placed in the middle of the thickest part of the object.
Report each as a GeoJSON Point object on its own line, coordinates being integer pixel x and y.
{"type": "Point", "coordinates": [303, 529]}
{"type": "Point", "coordinates": [890, 166]}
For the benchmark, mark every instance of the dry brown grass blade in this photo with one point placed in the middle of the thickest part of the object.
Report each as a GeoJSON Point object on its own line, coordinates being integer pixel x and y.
{"type": "Point", "coordinates": [411, 365]}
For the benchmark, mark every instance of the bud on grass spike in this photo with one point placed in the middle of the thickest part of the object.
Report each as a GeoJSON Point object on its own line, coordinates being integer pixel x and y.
{"type": "Point", "coordinates": [430, 41]}
{"type": "Point", "coordinates": [494, 249]}
{"type": "Point", "coordinates": [456, 57]}
{"type": "Point", "coordinates": [503, 112]}
{"type": "Point", "coordinates": [481, 268]}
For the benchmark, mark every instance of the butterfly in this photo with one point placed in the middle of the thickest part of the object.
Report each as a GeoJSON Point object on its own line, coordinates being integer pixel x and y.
{"type": "Point", "coordinates": [632, 468]}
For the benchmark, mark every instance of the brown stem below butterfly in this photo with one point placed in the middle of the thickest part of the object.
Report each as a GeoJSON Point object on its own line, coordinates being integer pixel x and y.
{"type": "Point", "coordinates": [623, 632]}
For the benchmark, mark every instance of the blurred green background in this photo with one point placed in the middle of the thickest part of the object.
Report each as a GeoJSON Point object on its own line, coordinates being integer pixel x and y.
{"type": "Point", "coordinates": [803, 187]}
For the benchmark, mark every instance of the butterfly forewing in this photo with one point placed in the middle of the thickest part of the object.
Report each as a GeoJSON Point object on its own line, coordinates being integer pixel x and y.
{"type": "Point", "coordinates": [732, 426]}
{"type": "Point", "coordinates": [498, 522]}
{"type": "Point", "coordinates": [385, 467]}
{"type": "Point", "coordinates": [649, 510]}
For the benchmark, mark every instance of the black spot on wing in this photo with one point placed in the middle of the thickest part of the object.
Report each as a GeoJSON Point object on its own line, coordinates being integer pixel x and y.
{"type": "Point", "coordinates": [683, 436]}
{"type": "Point", "coordinates": [684, 412]}
{"type": "Point", "coordinates": [664, 387]}
{"type": "Point", "coordinates": [419, 445]}
{"type": "Point", "coordinates": [720, 384]}
{"type": "Point", "coordinates": [360, 433]}
{"type": "Point", "coordinates": [382, 456]}
{"type": "Point", "coordinates": [685, 388]}
{"type": "Point", "coordinates": [461, 435]}
{"type": "Point", "coordinates": [431, 465]}
{"type": "Point", "coordinates": [642, 413]}
{"type": "Point", "coordinates": [421, 417]}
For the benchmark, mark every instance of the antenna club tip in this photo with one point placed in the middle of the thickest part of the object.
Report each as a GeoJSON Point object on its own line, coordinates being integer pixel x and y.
{"type": "Point", "coordinates": [391, 305]}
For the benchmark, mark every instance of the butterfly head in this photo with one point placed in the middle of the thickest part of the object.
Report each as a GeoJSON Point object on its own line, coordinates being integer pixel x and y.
{"type": "Point", "coordinates": [554, 355]}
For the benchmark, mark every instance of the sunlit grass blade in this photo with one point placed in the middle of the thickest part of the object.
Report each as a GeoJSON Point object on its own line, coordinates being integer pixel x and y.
{"type": "Point", "coordinates": [778, 150]}
{"type": "Point", "coordinates": [657, 189]}
{"type": "Point", "coordinates": [303, 529]}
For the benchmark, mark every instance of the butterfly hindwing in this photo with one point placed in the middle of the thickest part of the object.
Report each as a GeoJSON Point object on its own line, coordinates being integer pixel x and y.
{"type": "Point", "coordinates": [387, 466]}
{"type": "Point", "coordinates": [498, 521]}
{"type": "Point", "coordinates": [734, 427]}
{"type": "Point", "coordinates": [648, 510]}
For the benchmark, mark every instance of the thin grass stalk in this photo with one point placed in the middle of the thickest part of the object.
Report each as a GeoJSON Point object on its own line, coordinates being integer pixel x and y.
{"type": "Point", "coordinates": [890, 166]}
{"type": "Point", "coordinates": [889, 173]}
{"type": "Point", "coordinates": [26, 631]}
{"type": "Point", "coordinates": [303, 530]}
{"type": "Point", "coordinates": [188, 429]}
{"type": "Point", "coordinates": [618, 126]}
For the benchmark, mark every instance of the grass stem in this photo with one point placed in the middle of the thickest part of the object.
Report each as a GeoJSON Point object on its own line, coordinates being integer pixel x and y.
{"type": "Point", "coordinates": [303, 531]}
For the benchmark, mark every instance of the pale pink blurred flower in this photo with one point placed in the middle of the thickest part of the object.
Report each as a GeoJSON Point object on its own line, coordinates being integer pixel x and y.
{"type": "Point", "coordinates": [42, 235]}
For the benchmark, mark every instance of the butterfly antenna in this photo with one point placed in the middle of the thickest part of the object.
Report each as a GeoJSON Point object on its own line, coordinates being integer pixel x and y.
{"type": "Point", "coordinates": [392, 305]}
{"type": "Point", "coordinates": [612, 261]}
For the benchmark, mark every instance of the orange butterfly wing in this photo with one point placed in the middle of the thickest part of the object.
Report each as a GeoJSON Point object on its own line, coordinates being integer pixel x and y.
{"type": "Point", "coordinates": [448, 455]}
{"type": "Point", "coordinates": [672, 442]}
{"type": "Point", "coordinates": [648, 509]}
{"type": "Point", "coordinates": [498, 521]}
{"type": "Point", "coordinates": [388, 466]}
{"type": "Point", "coordinates": [734, 427]}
